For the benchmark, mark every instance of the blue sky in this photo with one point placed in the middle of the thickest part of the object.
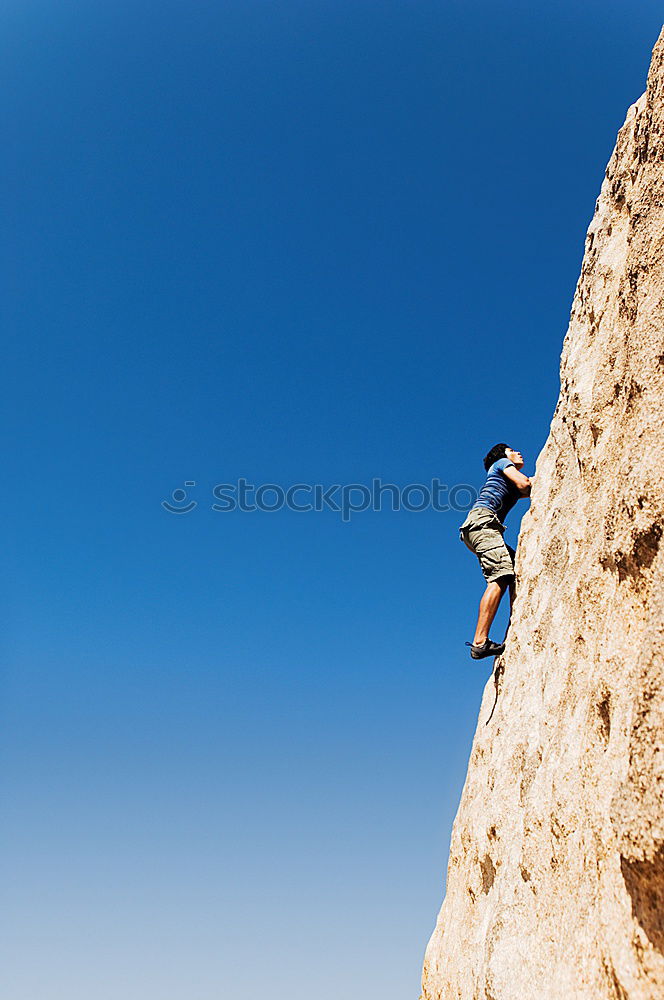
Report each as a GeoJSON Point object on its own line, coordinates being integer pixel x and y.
{"type": "Point", "coordinates": [312, 242]}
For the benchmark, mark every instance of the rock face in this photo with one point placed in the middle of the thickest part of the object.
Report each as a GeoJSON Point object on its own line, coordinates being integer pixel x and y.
{"type": "Point", "coordinates": [555, 886]}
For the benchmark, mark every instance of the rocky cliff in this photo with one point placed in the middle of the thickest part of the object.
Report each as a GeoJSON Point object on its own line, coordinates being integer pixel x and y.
{"type": "Point", "coordinates": [555, 887]}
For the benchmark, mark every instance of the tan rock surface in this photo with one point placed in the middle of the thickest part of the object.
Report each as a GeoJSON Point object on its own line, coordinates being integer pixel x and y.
{"type": "Point", "coordinates": [555, 886]}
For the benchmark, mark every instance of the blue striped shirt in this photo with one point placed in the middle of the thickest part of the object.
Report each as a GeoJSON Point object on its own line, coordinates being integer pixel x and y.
{"type": "Point", "coordinates": [499, 493]}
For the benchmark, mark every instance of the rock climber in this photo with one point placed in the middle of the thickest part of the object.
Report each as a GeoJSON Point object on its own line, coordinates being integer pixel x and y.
{"type": "Point", "coordinates": [482, 532]}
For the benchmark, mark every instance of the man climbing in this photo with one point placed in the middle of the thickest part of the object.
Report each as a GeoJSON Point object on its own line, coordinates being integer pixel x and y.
{"type": "Point", "coordinates": [482, 532]}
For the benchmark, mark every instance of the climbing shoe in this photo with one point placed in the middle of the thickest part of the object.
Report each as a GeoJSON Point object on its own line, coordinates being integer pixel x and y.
{"type": "Point", "coordinates": [487, 648]}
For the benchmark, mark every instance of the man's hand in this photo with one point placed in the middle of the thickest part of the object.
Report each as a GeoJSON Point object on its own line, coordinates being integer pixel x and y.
{"type": "Point", "coordinates": [522, 483]}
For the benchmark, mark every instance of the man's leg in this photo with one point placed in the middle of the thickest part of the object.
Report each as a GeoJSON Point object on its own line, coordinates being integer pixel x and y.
{"type": "Point", "coordinates": [488, 607]}
{"type": "Point", "coordinates": [512, 586]}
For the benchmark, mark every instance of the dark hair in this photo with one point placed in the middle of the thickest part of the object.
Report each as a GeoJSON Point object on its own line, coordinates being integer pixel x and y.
{"type": "Point", "coordinates": [498, 451]}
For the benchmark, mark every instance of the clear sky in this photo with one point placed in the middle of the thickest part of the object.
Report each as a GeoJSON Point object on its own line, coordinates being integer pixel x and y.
{"type": "Point", "coordinates": [316, 242]}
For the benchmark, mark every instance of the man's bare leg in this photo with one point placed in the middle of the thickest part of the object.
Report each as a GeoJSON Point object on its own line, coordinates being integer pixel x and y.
{"type": "Point", "coordinates": [488, 607]}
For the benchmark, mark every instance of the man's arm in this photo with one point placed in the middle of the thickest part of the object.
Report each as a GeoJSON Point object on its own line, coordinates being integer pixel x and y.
{"type": "Point", "coordinates": [522, 483]}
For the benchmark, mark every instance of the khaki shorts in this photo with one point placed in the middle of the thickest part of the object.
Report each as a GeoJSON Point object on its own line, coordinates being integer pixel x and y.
{"type": "Point", "coordinates": [482, 533]}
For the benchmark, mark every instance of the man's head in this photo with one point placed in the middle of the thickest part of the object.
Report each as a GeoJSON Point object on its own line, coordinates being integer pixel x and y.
{"type": "Point", "coordinates": [503, 450]}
